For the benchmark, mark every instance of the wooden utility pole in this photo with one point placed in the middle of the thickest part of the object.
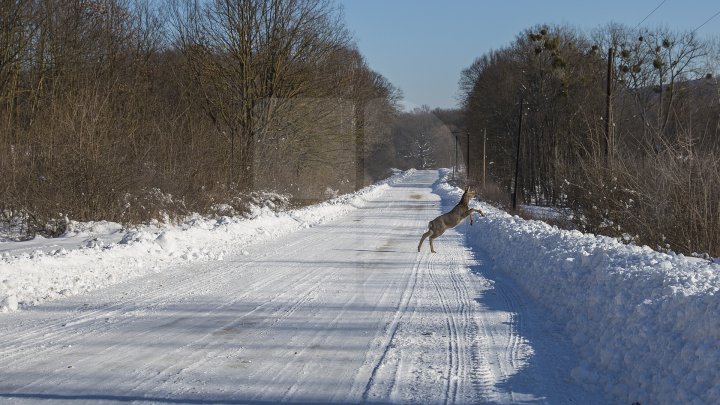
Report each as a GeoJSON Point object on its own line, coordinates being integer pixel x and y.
{"type": "Point", "coordinates": [484, 156]}
{"type": "Point", "coordinates": [455, 165]}
{"type": "Point", "coordinates": [517, 156]}
{"type": "Point", "coordinates": [467, 156]}
{"type": "Point", "coordinates": [609, 137]}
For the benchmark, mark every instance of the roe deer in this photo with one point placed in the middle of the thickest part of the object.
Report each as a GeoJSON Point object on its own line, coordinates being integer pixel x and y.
{"type": "Point", "coordinates": [439, 225]}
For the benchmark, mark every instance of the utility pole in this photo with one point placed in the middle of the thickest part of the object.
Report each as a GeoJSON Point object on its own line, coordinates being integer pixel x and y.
{"type": "Point", "coordinates": [484, 155]}
{"type": "Point", "coordinates": [467, 156]}
{"type": "Point", "coordinates": [609, 136]}
{"type": "Point", "coordinates": [456, 148]}
{"type": "Point", "coordinates": [517, 156]}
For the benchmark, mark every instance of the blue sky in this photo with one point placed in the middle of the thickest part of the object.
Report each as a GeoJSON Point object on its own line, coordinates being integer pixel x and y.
{"type": "Point", "coordinates": [422, 46]}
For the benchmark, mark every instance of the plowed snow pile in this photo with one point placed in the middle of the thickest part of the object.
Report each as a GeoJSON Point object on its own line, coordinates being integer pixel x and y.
{"type": "Point", "coordinates": [646, 323]}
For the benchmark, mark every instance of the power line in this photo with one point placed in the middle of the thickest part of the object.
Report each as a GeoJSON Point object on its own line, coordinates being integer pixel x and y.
{"type": "Point", "coordinates": [707, 21]}
{"type": "Point", "coordinates": [651, 13]}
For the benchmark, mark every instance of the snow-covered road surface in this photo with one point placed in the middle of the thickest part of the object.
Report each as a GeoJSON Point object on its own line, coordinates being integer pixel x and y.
{"type": "Point", "coordinates": [345, 312]}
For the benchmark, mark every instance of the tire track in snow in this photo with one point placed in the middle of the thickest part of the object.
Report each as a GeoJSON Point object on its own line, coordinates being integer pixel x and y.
{"type": "Point", "coordinates": [474, 365]}
{"type": "Point", "coordinates": [453, 368]}
{"type": "Point", "coordinates": [504, 328]}
{"type": "Point", "coordinates": [408, 292]}
{"type": "Point", "coordinates": [440, 315]}
{"type": "Point", "coordinates": [481, 376]}
{"type": "Point", "coordinates": [459, 277]}
{"type": "Point", "coordinates": [516, 326]}
{"type": "Point", "coordinates": [454, 286]}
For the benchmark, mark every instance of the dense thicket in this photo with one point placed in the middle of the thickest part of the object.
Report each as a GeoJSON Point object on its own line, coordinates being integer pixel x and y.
{"type": "Point", "coordinates": [130, 109]}
{"type": "Point", "coordinates": [643, 162]}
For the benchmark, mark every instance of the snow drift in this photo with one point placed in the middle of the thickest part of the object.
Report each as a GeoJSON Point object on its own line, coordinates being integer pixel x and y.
{"type": "Point", "coordinates": [99, 254]}
{"type": "Point", "coordinates": [647, 324]}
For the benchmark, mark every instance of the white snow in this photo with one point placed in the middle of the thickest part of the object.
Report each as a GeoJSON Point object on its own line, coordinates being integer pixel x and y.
{"type": "Point", "coordinates": [98, 254]}
{"type": "Point", "coordinates": [647, 324]}
{"type": "Point", "coordinates": [349, 312]}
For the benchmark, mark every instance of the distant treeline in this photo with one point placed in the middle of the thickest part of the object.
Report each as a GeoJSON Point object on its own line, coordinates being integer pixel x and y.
{"type": "Point", "coordinates": [636, 155]}
{"type": "Point", "coordinates": [129, 110]}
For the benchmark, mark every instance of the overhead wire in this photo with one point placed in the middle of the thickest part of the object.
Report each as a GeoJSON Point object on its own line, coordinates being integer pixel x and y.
{"type": "Point", "coordinates": [663, 2]}
{"type": "Point", "coordinates": [651, 13]}
{"type": "Point", "coordinates": [706, 21]}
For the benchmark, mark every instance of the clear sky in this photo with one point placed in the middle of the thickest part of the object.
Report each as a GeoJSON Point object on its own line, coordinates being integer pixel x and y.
{"type": "Point", "coordinates": [421, 46]}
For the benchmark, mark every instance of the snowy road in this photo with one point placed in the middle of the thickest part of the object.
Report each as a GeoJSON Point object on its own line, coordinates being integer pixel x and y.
{"type": "Point", "coordinates": [343, 312]}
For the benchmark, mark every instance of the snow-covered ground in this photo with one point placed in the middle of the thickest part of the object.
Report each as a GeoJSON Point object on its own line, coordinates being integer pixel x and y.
{"type": "Point", "coordinates": [98, 254]}
{"type": "Point", "coordinates": [333, 304]}
{"type": "Point", "coordinates": [347, 311]}
{"type": "Point", "coordinates": [647, 324]}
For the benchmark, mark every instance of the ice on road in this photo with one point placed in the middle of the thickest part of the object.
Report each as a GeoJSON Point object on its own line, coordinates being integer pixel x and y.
{"type": "Point", "coordinates": [345, 312]}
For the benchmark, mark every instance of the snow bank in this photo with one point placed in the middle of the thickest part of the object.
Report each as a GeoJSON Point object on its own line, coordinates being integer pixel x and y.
{"type": "Point", "coordinates": [99, 254]}
{"type": "Point", "coordinates": [647, 324]}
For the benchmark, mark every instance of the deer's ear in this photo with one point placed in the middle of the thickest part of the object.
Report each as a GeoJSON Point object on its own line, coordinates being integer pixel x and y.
{"type": "Point", "coordinates": [467, 188]}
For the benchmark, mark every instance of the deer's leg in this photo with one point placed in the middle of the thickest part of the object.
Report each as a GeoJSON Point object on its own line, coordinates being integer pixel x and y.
{"type": "Point", "coordinates": [479, 212]}
{"type": "Point", "coordinates": [466, 214]}
{"type": "Point", "coordinates": [425, 235]}
{"type": "Point", "coordinates": [432, 249]}
{"type": "Point", "coordinates": [470, 211]}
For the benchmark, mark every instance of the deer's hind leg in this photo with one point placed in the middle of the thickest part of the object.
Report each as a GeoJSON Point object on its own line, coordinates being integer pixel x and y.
{"type": "Point", "coordinates": [432, 249]}
{"type": "Point", "coordinates": [425, 235]}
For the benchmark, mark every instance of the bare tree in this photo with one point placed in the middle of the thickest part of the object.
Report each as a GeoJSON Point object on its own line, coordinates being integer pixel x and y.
{"type": "Point", "coordinates": [422, 140]}
{"type": "Point", "coordinates": [107, 112]}
{"type": "Point", "coordinates": [250, 59]}
{"type": "Point", "coordinates": [645, 179]}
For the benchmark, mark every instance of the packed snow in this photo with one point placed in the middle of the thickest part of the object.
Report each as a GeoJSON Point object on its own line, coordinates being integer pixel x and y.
{"type": "Point", "coordinates": [98, 254]}
{"type": "Point", "coordinates": [647, 324]}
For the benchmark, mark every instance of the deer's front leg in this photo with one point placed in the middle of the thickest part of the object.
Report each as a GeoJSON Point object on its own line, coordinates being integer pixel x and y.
{"type": "Point", "coordinates": [470, 211]}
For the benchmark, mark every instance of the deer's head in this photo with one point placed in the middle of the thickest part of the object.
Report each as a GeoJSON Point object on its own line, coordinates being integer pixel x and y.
{"type": "Point", "coordinates": [468, 195]}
